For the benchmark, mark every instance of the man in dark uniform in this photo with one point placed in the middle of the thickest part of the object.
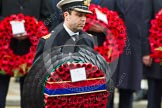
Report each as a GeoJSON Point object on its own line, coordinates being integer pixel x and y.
{"type": "Point", "coordinates": [70, 31]}
{"type": "Point", "coordinates": [20, 45]}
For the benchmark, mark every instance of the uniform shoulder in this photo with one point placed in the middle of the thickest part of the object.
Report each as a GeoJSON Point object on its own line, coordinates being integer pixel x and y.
{"type": "Point", "coordinates": [88, 34]}
{"type": "Point", "coordinates": [46, 36]}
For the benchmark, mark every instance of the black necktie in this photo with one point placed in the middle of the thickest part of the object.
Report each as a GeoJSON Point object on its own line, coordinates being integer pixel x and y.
{"type": "Point", "coordinates": [76, 37]}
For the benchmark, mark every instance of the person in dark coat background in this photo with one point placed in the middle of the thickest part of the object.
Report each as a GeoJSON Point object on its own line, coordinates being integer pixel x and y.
{"type": "Point", "coordinates": [56, 16]}
{"type": "Point", "coordinates": [128, 74]}
{"type": "Point", "coordinates": [20, 46]}
{"type": "Point", "coordinates": [154, 72]}
{"type": "Point", "coordinates": [104, 3]}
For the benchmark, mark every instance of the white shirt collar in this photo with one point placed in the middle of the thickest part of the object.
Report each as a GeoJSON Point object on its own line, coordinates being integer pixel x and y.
{"type": "Point", "coordinates": [71, 33]}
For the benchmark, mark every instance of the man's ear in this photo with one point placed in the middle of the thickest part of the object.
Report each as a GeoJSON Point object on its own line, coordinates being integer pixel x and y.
{"type": "Point", "coordinates": [66, 14]}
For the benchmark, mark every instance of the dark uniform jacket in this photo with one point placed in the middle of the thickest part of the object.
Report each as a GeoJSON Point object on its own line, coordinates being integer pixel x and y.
{"type": "Point", "coordinates": [37, 8]}
{"type": "Point", "coordinates": [155, 71]}
{"type": "Point", "coordinates": [60, 37]}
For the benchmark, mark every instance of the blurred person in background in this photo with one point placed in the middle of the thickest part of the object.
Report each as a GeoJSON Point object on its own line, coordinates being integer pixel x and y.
{"type": "Point", "coordinates": [20, 45]}
{"type": "Point", "coordinates": [129, 72]}
{"type": "Point", "coordinates": [154, 72]}
{"type": "Point", "coordinates": [56, 16]}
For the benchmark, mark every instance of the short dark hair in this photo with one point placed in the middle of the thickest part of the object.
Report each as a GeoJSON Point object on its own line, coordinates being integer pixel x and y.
{"type": "Point", "coordinates": [69, 10]}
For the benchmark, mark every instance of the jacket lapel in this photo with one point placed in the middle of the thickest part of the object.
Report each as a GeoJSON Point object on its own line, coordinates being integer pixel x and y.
{"type": "Point", "coordinates": [59, 37]}
{"type": "Point", "coordinates": [64, 38]}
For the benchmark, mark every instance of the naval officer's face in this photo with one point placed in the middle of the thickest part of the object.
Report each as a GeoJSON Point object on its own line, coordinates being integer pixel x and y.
{"type": "Point", "coordinates": [75, 20]}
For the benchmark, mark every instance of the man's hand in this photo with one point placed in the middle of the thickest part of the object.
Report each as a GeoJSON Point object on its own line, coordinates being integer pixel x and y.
{"type": "Point", "coordinates": [147, 60]}
{"type": "Point", "coordinates": [97, 28]}
{"type": "Point", "coordinates": [20, 36]}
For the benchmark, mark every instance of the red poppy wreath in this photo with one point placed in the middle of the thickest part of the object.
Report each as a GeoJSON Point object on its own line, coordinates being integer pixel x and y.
{"type": "Point", "coordinates": [60, 91]}
{"type": "Point", "coordinates": [155, 37]}
{"type": "Point", "coordinates": [10, 63]}
{"type": "Point", "coordinates": [115, 31]}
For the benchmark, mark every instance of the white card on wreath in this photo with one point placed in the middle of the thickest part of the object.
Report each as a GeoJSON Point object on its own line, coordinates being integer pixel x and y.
{"type": "Point", "coordinates": [17, 27]}
{"type": "Point", "coordinates": [78, 74]}
{"type": "Point", "coordinates": [101, 16]}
